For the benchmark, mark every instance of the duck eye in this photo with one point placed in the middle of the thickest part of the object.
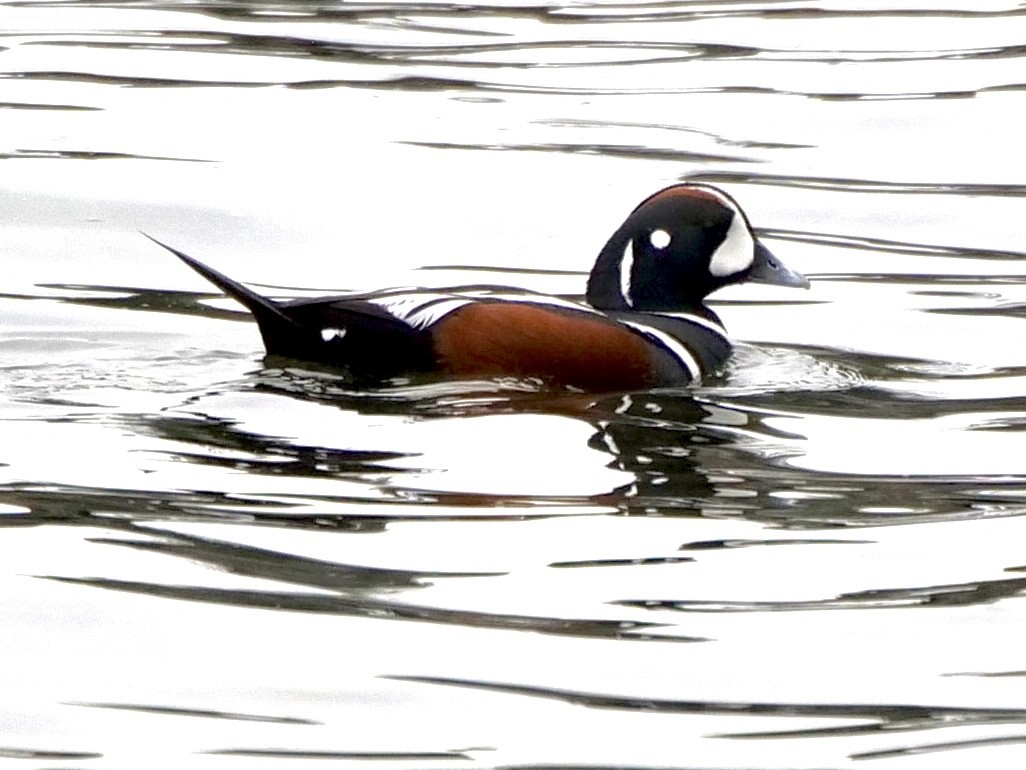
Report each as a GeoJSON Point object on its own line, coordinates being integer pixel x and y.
{"type": "Point", "coordinates": [660, 239]}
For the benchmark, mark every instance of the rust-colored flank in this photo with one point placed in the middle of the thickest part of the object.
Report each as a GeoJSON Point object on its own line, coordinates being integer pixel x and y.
{"type": "Point", "coordinates": [495, 339]}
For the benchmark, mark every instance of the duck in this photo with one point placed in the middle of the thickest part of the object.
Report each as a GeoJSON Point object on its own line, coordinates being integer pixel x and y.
{"type": "Point", "coordinates": [644, 322]}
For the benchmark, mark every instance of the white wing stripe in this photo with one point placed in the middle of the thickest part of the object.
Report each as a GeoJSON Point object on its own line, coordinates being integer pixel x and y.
{"type": "Point", "coordinates": [421, 310]}
{"type": "Point", "coordinates": [424, 316]}
{"type": "Point", "coordinates": [542, 299]}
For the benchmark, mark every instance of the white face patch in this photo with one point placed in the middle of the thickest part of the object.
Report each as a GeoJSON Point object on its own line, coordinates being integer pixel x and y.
{"type": "Point", "coordinates": [659, 239]}
{"type": "Point", "coordinates": [331, 333]}
{"type": "Point", "coordinates": [737, 252]}
{"type": "Point", "coordinates": [626, 266]}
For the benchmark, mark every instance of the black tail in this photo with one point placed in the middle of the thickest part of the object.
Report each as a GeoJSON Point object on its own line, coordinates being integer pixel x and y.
{"type": "Point", "coordinates": [269, 316]}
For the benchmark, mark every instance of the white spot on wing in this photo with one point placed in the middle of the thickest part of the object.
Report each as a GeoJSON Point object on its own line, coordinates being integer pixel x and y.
{"type": "Point", "coordinates": [737, 252]}
{"type": "Point", "coordinates": [332, 333]}
{"type": "Point", "coordinates": [677, 348]}
{"type": "Point", "coordinates": [626, 266]}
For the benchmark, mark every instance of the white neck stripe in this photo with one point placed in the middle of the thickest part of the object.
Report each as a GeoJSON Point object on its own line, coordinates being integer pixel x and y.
{"type": "Point", "coordinates": [626, 267]}
{"type": "Point", "coordinates": [674, 346]}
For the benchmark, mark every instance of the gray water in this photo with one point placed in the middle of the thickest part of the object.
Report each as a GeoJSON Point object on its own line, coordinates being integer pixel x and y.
{"type": "Point", "coordinates": [210, 560]}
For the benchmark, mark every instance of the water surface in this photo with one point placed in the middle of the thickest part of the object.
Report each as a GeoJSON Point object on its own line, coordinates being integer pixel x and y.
{"type": "Point", "coordinates": [811, 561]}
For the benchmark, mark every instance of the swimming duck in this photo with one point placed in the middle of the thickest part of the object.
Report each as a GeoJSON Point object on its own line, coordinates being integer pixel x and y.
{"type": "Point", "coordinates": [645, 323]}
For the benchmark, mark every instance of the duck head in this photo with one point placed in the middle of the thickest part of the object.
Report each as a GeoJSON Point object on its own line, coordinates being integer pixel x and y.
{"type": "Point", "coordinates": [678, 246]}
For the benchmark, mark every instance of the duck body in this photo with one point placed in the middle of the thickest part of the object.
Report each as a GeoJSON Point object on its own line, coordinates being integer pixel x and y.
{"type": "Point", "coordinates": [645, 324]}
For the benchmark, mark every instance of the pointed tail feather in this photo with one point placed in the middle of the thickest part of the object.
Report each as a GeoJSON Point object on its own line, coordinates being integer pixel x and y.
{"type": "Point", "coordinates": [263, 309]}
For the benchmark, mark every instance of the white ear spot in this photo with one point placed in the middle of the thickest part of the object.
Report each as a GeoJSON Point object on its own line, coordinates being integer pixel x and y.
{"type": "Point", "coordinates": [331, 333]}
{"type": "Point", "coordinates": [660, 239]}
{"type": "Point", "coordinates": [736, 253]}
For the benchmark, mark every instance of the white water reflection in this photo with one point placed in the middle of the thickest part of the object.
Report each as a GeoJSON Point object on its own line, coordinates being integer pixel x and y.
{"type": "Point", "coordinates": [951, 445]}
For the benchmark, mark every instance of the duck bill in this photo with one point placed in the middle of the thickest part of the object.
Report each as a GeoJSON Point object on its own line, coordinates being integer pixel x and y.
{"type": "Point", "coordinates": [766, 268]}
